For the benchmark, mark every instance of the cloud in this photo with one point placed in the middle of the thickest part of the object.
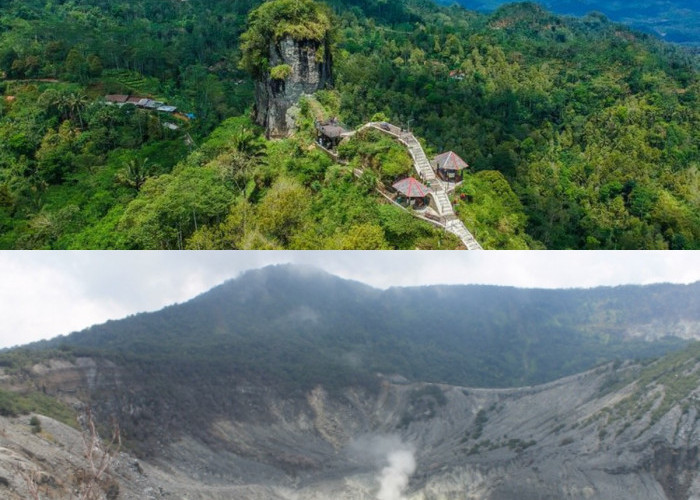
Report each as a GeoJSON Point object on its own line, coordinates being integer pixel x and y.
{"type": "Point", "coordinates": [550, 269]}
{"type": "Point", "coordinates": [40, 301]}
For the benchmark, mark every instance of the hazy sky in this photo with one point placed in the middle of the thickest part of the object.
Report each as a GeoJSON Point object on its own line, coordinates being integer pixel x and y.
{"type": "Point", "coordinates": [44, 294]}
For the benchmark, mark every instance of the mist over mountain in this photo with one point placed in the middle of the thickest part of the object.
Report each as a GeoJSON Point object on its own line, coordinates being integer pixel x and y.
{"type": "Point", "coordinates": [292, 320]}
{"type": "Point", "coordinates": [290, 383]}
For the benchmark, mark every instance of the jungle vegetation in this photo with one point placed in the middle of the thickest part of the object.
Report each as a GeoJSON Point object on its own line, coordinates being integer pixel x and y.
{"type": "Point", "coordinates": [676, 21]}
{"type": "Point", "coordinates": [580, 133]}
{"type": "Point", "coordinates": [305, 20]}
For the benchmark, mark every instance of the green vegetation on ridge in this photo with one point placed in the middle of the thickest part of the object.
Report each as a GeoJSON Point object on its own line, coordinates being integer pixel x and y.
{"type": "Point", "coordinates": [13, 404]}
{"type": "Point", "coordinates": [596, 128]}
{"type": "Point", "coordinates": [580, 132]}
{"type": "Point", "coordinates": [284, 320]}
{"type": "Point", "coordinates": [303, 20]}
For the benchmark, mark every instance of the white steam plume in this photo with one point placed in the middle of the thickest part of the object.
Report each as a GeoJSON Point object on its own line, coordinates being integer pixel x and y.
{"type": "Point", "coordinates": [395, 475]}
{"type": "Point", "coordinates": [394, 459]}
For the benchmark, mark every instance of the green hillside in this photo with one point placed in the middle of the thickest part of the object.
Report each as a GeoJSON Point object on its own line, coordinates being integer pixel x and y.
{"type": "Point", "coordinates": [676, 21]}
{"type": "Point", "coordinates": [579, 132]}
{"type": "Point", "coordinates": [301, 327]}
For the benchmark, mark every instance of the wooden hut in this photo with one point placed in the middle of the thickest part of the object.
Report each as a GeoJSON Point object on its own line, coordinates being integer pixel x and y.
{"type": "Point", "coordinates": [411, 192]}
{"type": "Point", "coordinates": [118, 99]}
{"type": "Point", "coordinates": [329, 133]}
{"type": "Point", "coordinates": [449, 166]}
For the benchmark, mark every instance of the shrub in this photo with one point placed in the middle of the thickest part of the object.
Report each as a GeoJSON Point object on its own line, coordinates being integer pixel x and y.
{"type": "Point", "coordinates": [303, 20]}
{"type": "Point", "coordinates": [280, 72]}
{"type": "Point", "coordinates": [35, 424]}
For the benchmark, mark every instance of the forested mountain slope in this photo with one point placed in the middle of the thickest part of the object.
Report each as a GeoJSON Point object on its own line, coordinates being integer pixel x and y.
{"type": "Point", "coordinates": [676, 21]}
{"type": "Point", "coordinates": [305, 326]}
{"type": "Point", "coordinates": [580, 133]}
{"type": "Point", "coordinates": [268, 387]}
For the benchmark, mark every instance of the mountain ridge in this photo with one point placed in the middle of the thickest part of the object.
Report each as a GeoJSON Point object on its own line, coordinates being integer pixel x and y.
{"type": "Point", "coordinates": [652, 17]}
{"type": "Point", "coordinates": [288, 377]}
{"type": "Point", "coordinates": [574, 438]}
{"type": "Point", "coordinates": [262, 275]}
{"type": "Point", "coordinates": [294, 310]}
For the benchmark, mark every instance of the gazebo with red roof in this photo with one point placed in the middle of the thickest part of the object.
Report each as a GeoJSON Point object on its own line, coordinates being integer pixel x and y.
{"type": "Point", "coordinates": [414, 192]}
{"type": "Point", "coordinates": [449, 166]}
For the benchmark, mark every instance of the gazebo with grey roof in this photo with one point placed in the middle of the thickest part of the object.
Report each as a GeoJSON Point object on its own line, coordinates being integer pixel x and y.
{"type": "Point", "coordinates": [330, 133]}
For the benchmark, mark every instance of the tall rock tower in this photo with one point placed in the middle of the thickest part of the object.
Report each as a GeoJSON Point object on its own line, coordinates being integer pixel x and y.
{"type": "Point", "coordinates": [287, 49]}
{"type": "Point", "coordinates": [297, 67]}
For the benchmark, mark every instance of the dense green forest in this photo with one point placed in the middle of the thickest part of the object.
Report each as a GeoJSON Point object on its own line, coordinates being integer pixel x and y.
{"type": "Point", "coordinates": [675, 21]}
{"type": "Point", "coordinates": [580, 133]}
{"type": "Point", "coordinates": [306, 326]}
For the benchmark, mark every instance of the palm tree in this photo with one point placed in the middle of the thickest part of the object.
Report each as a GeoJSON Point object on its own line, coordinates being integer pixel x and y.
{"type": "Point", "coordinates": [248, 143]}
{"type": "Point", "coordinates": [135, 174]}
{"type": "Point", "coordinates": [67, 104]}
{"type": "Point", "coordinates": [75, 103]}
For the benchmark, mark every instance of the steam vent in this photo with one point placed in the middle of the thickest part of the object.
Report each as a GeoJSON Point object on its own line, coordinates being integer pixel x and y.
{"type": "Point", "coordinates": [287, 49]}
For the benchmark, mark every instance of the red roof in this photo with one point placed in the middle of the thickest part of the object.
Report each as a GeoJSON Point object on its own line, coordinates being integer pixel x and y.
{"type": "Point", "coordinates": [450, 161]}
{"type": "Point", "coordinates": [411, 188]}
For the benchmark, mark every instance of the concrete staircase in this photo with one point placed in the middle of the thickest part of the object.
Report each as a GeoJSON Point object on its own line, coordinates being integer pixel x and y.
{"type": "Point", "coordinates": [457, 227]}
{"type": "Point", "coordinates": [443, 203]}
{"type": "Point", "coordinates": [442, 200]}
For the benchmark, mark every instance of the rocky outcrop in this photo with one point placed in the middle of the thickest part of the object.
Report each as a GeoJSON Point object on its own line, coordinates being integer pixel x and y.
{"type": "Point", "coordinates": [606, 433]}
{"type": "Point", "coordinates": [296, 68]}
{"type": "Point", "coordinates": [675, 469]}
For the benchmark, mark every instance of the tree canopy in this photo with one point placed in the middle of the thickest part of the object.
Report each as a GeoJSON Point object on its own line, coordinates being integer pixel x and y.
{"type": "Point", "coordinates": [580, 133]}
{"type": "Point", "coordinates": [303, 20]}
